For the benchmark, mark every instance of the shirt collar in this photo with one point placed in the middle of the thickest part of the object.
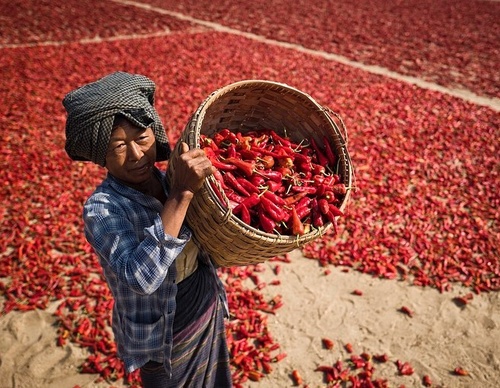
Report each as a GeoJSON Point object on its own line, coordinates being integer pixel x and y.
{"type": "Point", "coordinates": [136, 195]}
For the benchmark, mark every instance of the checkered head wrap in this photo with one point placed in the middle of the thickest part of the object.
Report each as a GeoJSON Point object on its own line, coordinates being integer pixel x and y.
{"type": "Point", "coordinates": [92, 109]}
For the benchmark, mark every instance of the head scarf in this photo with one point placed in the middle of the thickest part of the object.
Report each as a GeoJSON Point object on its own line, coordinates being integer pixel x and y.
{"type": "Point", "coordinates": [92, 109]}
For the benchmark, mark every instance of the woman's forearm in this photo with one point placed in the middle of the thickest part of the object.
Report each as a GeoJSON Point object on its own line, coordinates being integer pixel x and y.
{"type": "Point", "coordinates": [174, 211]}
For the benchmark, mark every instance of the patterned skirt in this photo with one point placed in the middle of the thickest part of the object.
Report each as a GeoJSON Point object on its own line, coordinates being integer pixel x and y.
{"type": "Point", "coordinates": [200, 357]}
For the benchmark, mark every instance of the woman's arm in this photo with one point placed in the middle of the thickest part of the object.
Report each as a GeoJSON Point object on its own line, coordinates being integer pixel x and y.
{"type": "Point", "coordinates": [130, 243]}
{"type": "Point", "coordinates": [192, 167]}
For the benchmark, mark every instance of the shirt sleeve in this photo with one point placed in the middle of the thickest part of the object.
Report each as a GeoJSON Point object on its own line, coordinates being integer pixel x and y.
{"type": "Point", "coordinates": [140, 255]}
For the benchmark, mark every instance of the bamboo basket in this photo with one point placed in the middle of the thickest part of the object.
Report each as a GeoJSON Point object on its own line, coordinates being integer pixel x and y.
{"type": "Point", "coordinates": [247, 106]}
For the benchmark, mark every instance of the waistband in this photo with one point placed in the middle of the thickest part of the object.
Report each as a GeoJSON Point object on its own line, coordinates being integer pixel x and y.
{"type": "Point", "coordinates": [187, 261]}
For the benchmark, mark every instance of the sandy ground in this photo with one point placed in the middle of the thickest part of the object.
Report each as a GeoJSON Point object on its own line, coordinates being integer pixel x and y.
{"type": "Point", "coordinates": [439, 337]}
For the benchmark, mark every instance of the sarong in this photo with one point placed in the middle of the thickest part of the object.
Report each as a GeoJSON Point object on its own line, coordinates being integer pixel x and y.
{"type": "Point", "coordinates": [200, 357]}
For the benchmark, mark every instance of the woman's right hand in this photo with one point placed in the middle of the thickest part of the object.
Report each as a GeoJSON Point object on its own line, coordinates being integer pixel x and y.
{"type": "Point", "coordinates": [191, 169]}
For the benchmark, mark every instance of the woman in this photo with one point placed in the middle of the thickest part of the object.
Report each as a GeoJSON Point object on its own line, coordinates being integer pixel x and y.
{"type": "Point", "coordinates": [168, 315]}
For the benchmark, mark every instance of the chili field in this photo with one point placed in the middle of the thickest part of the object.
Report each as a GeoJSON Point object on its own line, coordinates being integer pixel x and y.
{"type": "Point", "coordinates": [418, 87]}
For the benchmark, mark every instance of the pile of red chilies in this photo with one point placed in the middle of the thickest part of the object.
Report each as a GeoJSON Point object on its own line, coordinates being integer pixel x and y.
{"type": "Point", "coordinates": [274, 184]}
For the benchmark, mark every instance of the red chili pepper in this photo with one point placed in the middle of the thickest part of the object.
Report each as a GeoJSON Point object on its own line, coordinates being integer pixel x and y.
{"type": "Point", "coordinates": [272, 175]}
{"type": "Point", "coordinates": [229, 136]}
{"type": "Point", "coordinates": [319, 180]}
{"type": "Point", "coordinates": [286, 162]}
{"type": "Point", "coordinates": [231, 151]}
{"type": "Point", "coordinates": [332, 158]}
{"type": "Point", "coordinates": [281, 190]}
{"type": "Point", "coordinates": [247, 185]}
{"type": "Point", "coordinates": [339, 188]}
{"type": "Point", "coordinates": [404, 368]}
{"type": "Point", "coordinates": [317, 219]}
{"type": "Point", "coordinates": [279, 357]}
{"type": "Point", "coordinates": [280, 140]}
{"type": "Point", "coordinates": [220, 179]}
{"type": "Point", "coordinates": [223, 166]}
{"type": "Point", "coordinates": [266, 223]}
{"type": "Point", "coordinates": [285, 171]}
{"type": "Point", "coordinates": [243, 213]}
{"type": "Point", "coordinates": [330, 373]}
{"type": "Point", "coordinates": [303, 212]}
{"type": "Point", "coordinates": [302, 158]}
{"type": "Point", "coordinates": [274, 198]}
{"type": "Point", "coordinates": [317, 169]}
{"type": "Point", "coordinates": [265, 151]}
{"type": "Point", "coordinates": [251, 201]}
{"type": "Point", "coordinates": [303, 202]}
{"type": "Point", "coordinates": [297, 379]}
{"type": "Point", "coordinates": [304, 189]}
{"type": "Point", "coordinates": [330, 196]}
{"type": "Point", "coordinates": [205, 141]}
{"type": "Point", "coordinates": [273, 186]}
{"type": "Point", "coordinates": [218, 139]}
{"type": "Point", "coordinates": [249, 154]}
{"type": "Point", "coordinates": [297, 225]}
{"type": "Point", "coordinates": [243, 141]}
{"type": "Point", "coordinates": [258, 138]}
{"type": "Point", "coordinates": [330, 180]}
{"type": "Point", "coordinates": [294, 198]}
{"type": "Point", "coordinates": [322, 159]}
{"type": "Point", "coordinates": [459, 371]}
{"type": "Point", "coordinates": [327, 343]}
{"type": "Point", "coordinates": [217, 193]}
{"type": "Point", "coordinates": [234, 197]}
{"type": "Point", "coordinates": [303, 167]}
{"type": "Point", "coordinates": [335, 210]}
{"type": "Point", "coordinates": [323, 206]}
{"type": "Point", "coordinates": [321, 188]}
{"type": "Point", "coordinates": [254, 375]}
{"type": "Point", "coordinates": [231, 181]}
{"type": "Point", "coordinates": [272, 210]}
{"type": "Point", "coordinates": [331, 217]}
{"type": "Point", "coordinates": [210, 152]}
{"type": "Point", "coordinates": [257, 180]}
{"type": "Point", "coordinates": [267, 161]}
{"type": "Point", "coordinates": [285, 151]}
{"type": "Point", "coordinates": [381, 357]}
{"type": "Point", "coordinates": [406, 310]}
{"type": "Point", "coordinates": [246, 167]}
{"type": "Point", "coordinates": [426, 381]}
{"type": "Point", "coordinates": [61, 341]}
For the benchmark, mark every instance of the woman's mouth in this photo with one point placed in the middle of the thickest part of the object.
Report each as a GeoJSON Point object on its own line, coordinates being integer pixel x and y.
{"type": "Point", "coordinates": [141, 169]}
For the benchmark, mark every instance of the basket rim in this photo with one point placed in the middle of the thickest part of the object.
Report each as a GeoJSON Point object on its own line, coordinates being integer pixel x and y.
{"type": "Point", "coordinates": [195, 143]}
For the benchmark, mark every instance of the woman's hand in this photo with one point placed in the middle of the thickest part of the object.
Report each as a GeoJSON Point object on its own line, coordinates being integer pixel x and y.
{"type": "Point", "coordinates": [191, 169]}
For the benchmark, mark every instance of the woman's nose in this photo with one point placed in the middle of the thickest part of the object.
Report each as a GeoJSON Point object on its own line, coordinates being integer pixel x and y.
{"type": "Point", "coordinates": [135, 151]}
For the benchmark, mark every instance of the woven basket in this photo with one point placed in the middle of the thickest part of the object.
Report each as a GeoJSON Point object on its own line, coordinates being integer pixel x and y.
{"type": "Point", "coordinates": [246, 106]}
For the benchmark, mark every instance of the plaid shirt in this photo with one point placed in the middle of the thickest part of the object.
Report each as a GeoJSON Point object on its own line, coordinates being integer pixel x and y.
{"type": "Point", "coordinates": [125, 229]}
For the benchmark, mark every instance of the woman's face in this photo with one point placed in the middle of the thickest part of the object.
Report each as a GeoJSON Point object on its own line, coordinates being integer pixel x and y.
{"type": "Point", "coordinates": [131, 153]}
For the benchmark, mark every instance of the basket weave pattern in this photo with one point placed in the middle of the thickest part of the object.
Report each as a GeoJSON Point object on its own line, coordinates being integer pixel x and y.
{"type": "Point", "coordinates": [248, 106]}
